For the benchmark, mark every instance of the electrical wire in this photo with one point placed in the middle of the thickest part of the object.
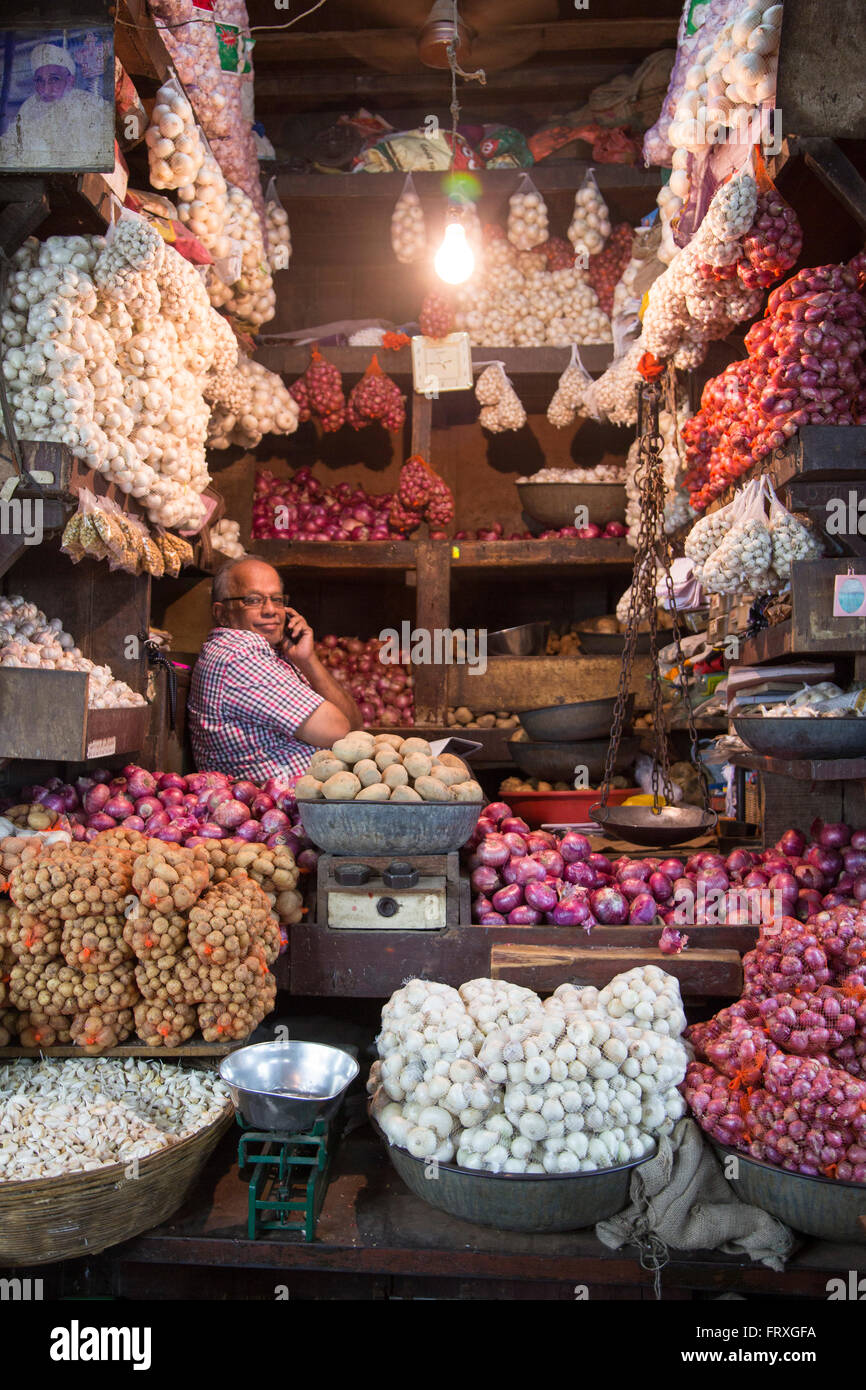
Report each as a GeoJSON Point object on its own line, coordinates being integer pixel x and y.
{"type": "Point", "coordinates": [184, 23]}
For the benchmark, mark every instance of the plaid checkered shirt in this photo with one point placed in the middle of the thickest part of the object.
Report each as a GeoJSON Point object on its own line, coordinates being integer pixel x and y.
{"type": "Point", "coordinates": [244, 707]}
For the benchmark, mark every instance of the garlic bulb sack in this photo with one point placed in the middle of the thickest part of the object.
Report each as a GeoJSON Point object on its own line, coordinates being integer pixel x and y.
{"type": "Point", "coordinates": [527, 217]}
{"type": "Point", "coordinates": [791, 541]}
{"type": "Point", "coordinates": [251, 296]}
{"type": "Point", "coordinates": [590, 223]}
{"type": "Point", "coordinates": [203, 207]}
{"type": "Point", "coordinates": [279, 235]}
{"type": "Point", "coordinates": [569, 394]}
{"type": "Point", "coordinates": [175, 150]}
{"type": "Point", "coordinates": [408, 230]}
{"type": "Point", "coordinates": [501, 407]}
{"type": "Point", "coordinates": [262, 405]}
{"type": "Point", "coordinates": [29, 639]}
{"type": "Point", "coordinates": [493, 1079]}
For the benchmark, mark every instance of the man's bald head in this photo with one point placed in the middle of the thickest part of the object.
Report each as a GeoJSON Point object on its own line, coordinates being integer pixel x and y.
{"type": "Point", "coordinates": [241, 576]}
{"type": "Point", "coordinates": [257, 580]}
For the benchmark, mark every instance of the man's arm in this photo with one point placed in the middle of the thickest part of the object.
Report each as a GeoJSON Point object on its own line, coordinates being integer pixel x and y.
{"type": "Point", "coordinates": [330, 689]}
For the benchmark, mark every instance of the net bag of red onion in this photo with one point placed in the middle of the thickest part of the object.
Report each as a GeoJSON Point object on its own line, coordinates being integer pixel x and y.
{"type": "Point", "coordinates": [376, 397]}
{"type": "Point", "coordinates": [775, 239]}
{"type": "Point", "coordinates": [319, 393]}
{"type": "Point", "coordinates": [421, 495]}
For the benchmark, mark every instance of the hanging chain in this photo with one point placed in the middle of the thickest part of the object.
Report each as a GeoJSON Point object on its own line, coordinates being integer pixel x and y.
{"type": "Point", "coordinates": [652, 554]}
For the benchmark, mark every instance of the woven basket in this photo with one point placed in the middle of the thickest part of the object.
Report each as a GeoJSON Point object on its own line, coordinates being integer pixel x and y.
{"type": "Point", "coordinates": [64, 1217]}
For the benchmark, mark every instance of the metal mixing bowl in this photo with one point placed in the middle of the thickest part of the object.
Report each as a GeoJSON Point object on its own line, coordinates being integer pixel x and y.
{"type": "Point", "coordinates": [553, 504]}
{"type": "Point", "coordinates": [535, 1202]}
{"type": "Point", "coordinates": [287, 1086]}
{"type": "Point", "coordinates": [821, 1207]}
{"type": "Point", "coordinates": [529, 639]}
{"type": "Point", "coordinates": [383, 827]}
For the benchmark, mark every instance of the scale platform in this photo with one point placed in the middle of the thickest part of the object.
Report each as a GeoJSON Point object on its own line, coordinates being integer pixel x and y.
{"type": "Point", "coordinates": [422, 892]}
{"type": "Point", "coordinates": [289, 1178]}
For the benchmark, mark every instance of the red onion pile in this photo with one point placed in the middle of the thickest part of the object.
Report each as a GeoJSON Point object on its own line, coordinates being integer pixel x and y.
{"type": "Point", "coordinates": [383, 692]}
{"type": "Point", "coordinates": [780, 1074]}
{"type": "Point", "coordinates": [559, 253]}
{"type": "Point", "coordinates": [300, 508]}
{"type": "Point", "coordinates": [437, 317]}
{"type": "Point", "coordinates": [614, 530]}
{"type": "Point", "coordinates": [804, 367]}
{"type": "Point", "coordinates": [376, 397]}
{"type": "Point", "coordinates": [607, 266]}
{"type": "Point", "coordinates": [319, 393]}
{"type": "Point", "coordinates": [179, 810]}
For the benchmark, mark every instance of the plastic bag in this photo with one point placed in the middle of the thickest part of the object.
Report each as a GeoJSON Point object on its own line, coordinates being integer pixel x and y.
{"type": "Point", "coordinates": [501, 409]}
{"type": "Point", "coordinates": [570, 391]}
{"type": "Point", "coordinates": [279, 232]}
{"type": "Point", "coordinates": [175, 551]}
{"type": "Point", "coordinates": [590, 223]}
{"type": "Point", "coordinates": [527, 216]}
{"type": "Point", "coordinates": [408, 230]}
{"type": "Point", "coordinates": [791, 539]}
{"type": "Point", "coordinates": [710, 530]}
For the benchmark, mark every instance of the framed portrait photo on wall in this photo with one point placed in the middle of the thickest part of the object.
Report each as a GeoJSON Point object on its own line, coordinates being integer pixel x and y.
{"type": "Point", "coordinates": [57, 99]}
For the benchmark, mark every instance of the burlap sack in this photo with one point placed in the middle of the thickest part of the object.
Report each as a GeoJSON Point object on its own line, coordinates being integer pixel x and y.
{"type": "Point", "coordinates": [680, 1199]}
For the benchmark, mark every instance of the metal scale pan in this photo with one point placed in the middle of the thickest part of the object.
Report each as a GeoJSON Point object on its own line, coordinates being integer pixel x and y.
{"type": "Point", "coordinates": [643, 825]}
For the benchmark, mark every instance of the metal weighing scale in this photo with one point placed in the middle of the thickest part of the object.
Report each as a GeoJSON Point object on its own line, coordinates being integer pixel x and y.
{"type": "Point", "coordinates": [289, 1179]}
{"type": "Point", "coordinates": [422, 892]}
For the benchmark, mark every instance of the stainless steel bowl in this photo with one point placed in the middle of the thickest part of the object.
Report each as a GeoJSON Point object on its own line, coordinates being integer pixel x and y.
{"type": "Point", "coordinates": [536, 1202]}
{"type": "Point", "coordinates": [818, 1206]}
{"type": "Point", "coordinates": [804, 738]}
{"type": "Point", "coordinates": [287, 1086]}
{"type": "Point", "coordinates": [566, 723]}
{"type": "Point", "coordinates": [553, 504]}
{"type": "Point", "coordinates": [401, 827]}
{"type": "Point", "coordinates": [529, 639]}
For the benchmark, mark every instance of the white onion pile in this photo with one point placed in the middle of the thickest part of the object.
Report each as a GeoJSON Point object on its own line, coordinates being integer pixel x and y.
{"type": "Point", "coordinates": [29, 639]}
{"type": "Point", "coordinates": [527, 220]}
{"type": "Point", "coordinates": [408, 232]}
{"type": "Point", "coordinates": [513, 299]}
{"type": "Point", "coordinates": [175, 150]}
{"type": "Point", "coordinates": [494, 1079]}
{"type": "Point", "coordinates": [590, 222]}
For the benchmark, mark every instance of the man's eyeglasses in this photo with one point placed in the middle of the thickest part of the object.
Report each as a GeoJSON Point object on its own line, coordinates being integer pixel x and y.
{"type": "Point", "coordinates": [259, 600]}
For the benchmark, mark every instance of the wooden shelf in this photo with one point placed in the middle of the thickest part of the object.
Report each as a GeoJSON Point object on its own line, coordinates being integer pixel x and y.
{"type": "Point", "coordinates": [803, 769]}
{"type": "Point", "coordinates": [289, 360]}
{"type": "Point", "coordinates": [770, 644]}
{"type": "Point", "coordinates": [566, 176]}
{"type": "Point", "coordinates": [196, 1048]}
{"type": "Point", "coordinates": [351, 557]}
{"type": "Point", "coordinates": [45, 715]}
{"type": "Point", "coordinates": [371, 964]}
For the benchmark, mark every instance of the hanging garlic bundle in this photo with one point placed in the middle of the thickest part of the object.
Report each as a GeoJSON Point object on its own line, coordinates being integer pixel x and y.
{"type": "Point", "coordinates": [590, 223]}
{"type": "Point", "coordinates": [279, 235]}
{"type": "Point", "coordinates": [251, 296]}
{"type": "Point", "coordinates": [501, 409]}
{"type": "Point", "coordinates": [262, 405]}
{"type": "Point", "coordinates": [175, 149]}
{"type": "Point", "coordinates": [568, 396]}
{"type": "Point", "coordinates": [408, 231]}
{"type": "Point", "coordinates": [203, 207]}
{"type": "Point", "coordinates": [527, 218]}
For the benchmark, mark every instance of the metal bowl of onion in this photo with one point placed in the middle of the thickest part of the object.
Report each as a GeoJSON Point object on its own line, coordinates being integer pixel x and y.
{"type": "Point", "coordinates": [539, 1202]}
{"type": "Point", "coordinates": [822, 1207]}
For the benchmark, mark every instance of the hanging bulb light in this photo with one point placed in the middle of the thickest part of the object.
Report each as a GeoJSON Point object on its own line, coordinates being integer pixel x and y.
{"type": "Point", "coordinates": [454, 262]}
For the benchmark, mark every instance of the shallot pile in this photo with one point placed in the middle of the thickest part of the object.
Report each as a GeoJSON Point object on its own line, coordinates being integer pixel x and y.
{"type": "Point", "coordinates": [300, 508]}
{"type": "Point", "coordinates": [781, 1074]}
{"type": "Point", "coordinates": [383, 693]}
{"type": "Point", "coordinates": [606, 267]}
{"type": "Point", "coordinates": [489, 1076]}
{"type": "Point", "coordinates": [804, 367]}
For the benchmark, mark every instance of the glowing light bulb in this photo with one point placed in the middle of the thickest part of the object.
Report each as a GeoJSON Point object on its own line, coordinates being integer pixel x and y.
{"type": "Point", "coordinates": [455, 260]}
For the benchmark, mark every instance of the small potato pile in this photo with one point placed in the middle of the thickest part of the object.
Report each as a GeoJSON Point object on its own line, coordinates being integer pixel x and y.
{"type": "Point", "coordinates": [384, 767]}
{"type": "Point", "coordinates": [126, 934]}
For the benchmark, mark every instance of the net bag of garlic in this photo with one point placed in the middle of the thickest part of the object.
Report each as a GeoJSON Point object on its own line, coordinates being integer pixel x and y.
{"type": "Point", "coordinates": [494, 1079]}
{"type": "Point", "coordinates": [408, 231]}
{"type": "Point", "coordinates": [527, 216]}
{"type": "Point", "coordinates": [279, 232]}
{"type": "Point", "coordinates": [571, 388]}
{"type": "Point", "coordinates": [709, 531]}
{"type": "Point", "coordinates": [501, 409]}
{"type": "Point", "coordinates": [589, 228]}
{"type": "Point", "coordinates": [175, 150]}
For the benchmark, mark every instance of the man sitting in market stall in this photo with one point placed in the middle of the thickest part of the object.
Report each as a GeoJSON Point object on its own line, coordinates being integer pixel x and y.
{"type": "Point", "coordinates": [261, 701]}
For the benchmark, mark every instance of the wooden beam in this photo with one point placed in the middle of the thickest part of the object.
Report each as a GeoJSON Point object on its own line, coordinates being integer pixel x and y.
{"type": "Point", "coordinates": [566, 177]}
{"type": "Point", "coordinates": [578, 35]}
{"type": "Point", "coordinates": [427, 84]}
{"type": "Point", "coordinates": [823, 98]}
{"type": "Point", "coordinates": [837, 174]}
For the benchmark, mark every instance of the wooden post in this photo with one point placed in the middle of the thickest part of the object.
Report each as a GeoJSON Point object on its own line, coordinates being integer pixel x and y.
{"type": "Point", "coordinates": [422, 425]}
{"type": "Point", "coordinates": [432, 604]}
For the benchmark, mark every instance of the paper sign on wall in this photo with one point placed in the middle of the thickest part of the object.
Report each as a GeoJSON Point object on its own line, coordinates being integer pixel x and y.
{"type": "Point", "coordinates": [849, 596]}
